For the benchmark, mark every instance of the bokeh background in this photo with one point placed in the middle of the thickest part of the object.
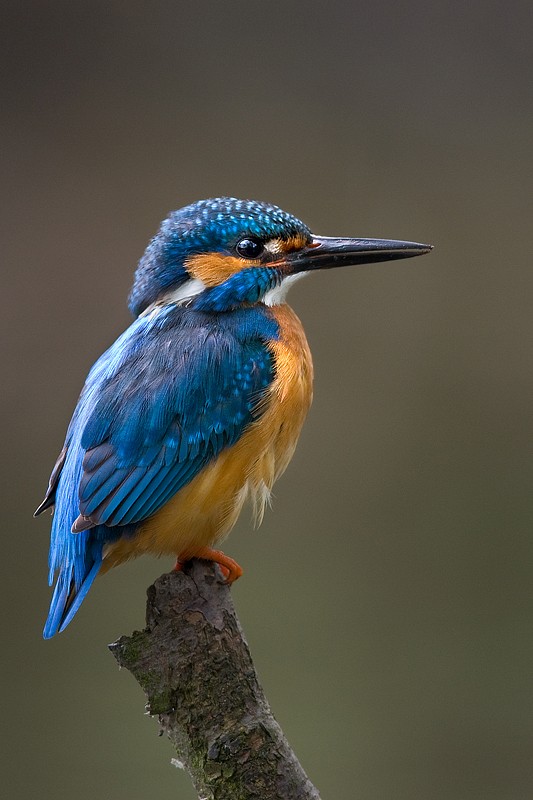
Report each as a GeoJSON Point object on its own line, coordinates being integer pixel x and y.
{"type": "Point", "coordinates": [387, 598]}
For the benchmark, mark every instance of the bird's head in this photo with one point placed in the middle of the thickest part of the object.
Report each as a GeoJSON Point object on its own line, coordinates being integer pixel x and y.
{"type": "Point", "coordinates": [223, 253]}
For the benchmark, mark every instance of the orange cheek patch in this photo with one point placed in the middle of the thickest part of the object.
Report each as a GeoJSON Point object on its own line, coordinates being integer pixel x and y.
{"type": "Point", "coordinates": [215, 268]}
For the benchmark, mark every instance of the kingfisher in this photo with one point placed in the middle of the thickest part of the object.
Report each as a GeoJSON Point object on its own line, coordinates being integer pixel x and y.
{"type": "Point", "coordinates": [197, 407]}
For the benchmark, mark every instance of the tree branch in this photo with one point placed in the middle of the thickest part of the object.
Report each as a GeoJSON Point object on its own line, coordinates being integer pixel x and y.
{"type": "Point", "coordinates": [195, 668]}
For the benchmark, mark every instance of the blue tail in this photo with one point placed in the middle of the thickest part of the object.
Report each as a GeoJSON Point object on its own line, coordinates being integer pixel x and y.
{"type": "Point", "coordinates": [75, 558]}
{"type": "Point", "coordinates": [67, 598]}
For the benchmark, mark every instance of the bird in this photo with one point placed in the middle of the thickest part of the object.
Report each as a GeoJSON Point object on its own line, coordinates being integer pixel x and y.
{"type": "Point", "coordinates": [197, 407]}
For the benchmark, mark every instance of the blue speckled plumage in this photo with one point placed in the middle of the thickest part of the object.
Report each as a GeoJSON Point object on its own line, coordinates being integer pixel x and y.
{"type": "Point", "coordinates": [205, 226]}
{"type": "Point", "coordinates": [244, 287]}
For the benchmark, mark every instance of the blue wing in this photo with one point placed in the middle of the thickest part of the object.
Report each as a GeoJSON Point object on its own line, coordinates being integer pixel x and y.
{"type": "Point", "coordinates": [172, 392]}
{"type": "Point", "coordinates": [169, 410]}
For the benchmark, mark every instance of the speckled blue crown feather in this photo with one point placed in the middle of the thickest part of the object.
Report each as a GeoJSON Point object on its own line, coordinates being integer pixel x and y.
{"type": "Point", "coordinates": [213, 225]}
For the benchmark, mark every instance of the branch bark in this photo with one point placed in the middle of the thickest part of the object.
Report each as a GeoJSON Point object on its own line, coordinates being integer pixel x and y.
{"type": "Point", "coordinates": [195, 668]}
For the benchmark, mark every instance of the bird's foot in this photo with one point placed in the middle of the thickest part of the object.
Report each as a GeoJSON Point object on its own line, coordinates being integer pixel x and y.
{"type": "Point", "coordinates": [230, 569]}
{"type": "Point", "coordinates": [178, 566]}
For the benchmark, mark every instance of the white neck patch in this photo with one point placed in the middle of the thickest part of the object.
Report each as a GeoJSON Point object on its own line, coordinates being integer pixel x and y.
{"type": "Point", "coordinates": [185, 292]}
{"type": "Point", "coordinates": [178, 297]}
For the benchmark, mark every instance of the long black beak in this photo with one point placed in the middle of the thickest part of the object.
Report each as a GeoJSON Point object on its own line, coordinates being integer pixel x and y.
{"type": "Point", "coordinates": [325, 252]}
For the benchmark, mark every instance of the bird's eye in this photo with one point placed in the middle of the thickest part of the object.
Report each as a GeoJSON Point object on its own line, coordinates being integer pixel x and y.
{"type": "Point", "coordinates": [249, 248]}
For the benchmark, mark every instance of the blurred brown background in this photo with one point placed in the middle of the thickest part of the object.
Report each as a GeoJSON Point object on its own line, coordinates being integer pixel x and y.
{"type": "Point", "coordinates": [387, 598]}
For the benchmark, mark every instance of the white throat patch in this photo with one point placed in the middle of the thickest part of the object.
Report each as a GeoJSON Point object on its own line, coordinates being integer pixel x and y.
{"type": "Point", "coordinates": [277, 295]}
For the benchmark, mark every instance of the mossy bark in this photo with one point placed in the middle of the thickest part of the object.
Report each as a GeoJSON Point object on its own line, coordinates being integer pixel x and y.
{"type": "Point", "coordinates": [195, 668]}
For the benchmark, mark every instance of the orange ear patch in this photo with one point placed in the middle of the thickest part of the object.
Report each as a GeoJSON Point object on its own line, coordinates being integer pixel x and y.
{"type": "Point", "coordinates": [215, 268]}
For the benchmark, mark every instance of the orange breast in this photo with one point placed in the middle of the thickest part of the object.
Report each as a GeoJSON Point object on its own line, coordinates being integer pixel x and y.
{"type": "Point", "coordinates": [204, 512]}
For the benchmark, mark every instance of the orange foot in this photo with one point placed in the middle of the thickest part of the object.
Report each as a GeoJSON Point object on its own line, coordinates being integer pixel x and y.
{"type": "Point", "coordinates": [229, 567]}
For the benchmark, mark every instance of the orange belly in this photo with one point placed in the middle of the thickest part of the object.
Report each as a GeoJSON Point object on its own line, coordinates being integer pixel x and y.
{"type": "Point", "coordinates": [206, 509]}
